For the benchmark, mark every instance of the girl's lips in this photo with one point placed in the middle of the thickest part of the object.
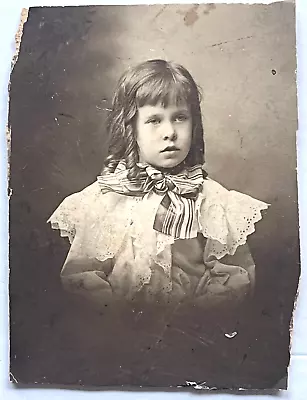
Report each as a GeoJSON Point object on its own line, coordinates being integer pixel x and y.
{"type": "Point", "coordinates": [170, 148]}
{"type": "Point", "coordinates": [170, 153]}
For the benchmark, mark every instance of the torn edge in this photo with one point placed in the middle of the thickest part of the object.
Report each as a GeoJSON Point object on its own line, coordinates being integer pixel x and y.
{"type": "Point", "coordinates": [233, 391]}
{"type": "Point", "coordinates": [18, 36]}
{"type": "Point", "coordinates": [198, 385]}
{"type": "Point", "coordinates": [12, 378]}
{"type": "Point", "coordinates": [8, 133]}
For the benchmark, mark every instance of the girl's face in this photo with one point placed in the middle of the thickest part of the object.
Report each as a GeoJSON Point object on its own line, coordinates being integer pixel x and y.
{"type": "Point", "coordinates": [163, 134]}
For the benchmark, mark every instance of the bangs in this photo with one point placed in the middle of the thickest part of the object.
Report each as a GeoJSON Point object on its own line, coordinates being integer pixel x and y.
{"type": "Point", "coordinates": [165, 90]}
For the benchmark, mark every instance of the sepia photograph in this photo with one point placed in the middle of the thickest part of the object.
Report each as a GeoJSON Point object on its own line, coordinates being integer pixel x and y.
{"type": "Point", "coordinates": [153, 223]}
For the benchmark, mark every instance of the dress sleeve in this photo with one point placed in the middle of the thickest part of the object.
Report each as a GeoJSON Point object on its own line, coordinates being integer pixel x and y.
{"type": "Point", "coordinates": [227, 280]}
{"type": "Point", "coordinates": [243, 258]}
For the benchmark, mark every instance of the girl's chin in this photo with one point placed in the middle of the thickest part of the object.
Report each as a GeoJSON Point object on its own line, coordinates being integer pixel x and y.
{"type": "Point", "coordinates": [167, 164]}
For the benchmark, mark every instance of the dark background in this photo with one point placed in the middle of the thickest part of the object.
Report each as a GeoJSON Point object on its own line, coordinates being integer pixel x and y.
{"type": "Point", "coordinates": [61, 87]}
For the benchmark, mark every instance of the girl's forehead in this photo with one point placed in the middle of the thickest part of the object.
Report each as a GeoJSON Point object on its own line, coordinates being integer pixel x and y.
{"type": "Point", "coordinates": [161, 108]}
{"type": "Point", "coordinates": [164, 93]}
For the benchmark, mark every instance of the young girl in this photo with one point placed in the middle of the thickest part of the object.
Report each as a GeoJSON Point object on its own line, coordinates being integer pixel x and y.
{"type": "Point", "coordinates": [153, 227]}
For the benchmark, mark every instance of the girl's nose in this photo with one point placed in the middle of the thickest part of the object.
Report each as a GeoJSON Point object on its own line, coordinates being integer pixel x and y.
{"type": "Point", "coordinates": [169, 132]}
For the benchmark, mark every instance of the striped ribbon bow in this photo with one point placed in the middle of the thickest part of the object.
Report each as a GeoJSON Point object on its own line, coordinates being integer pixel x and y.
{"type": "Point", "coordinates": [175, 215]}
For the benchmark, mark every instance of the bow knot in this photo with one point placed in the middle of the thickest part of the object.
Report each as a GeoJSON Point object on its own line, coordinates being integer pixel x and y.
{"type": "Point", "coordinates": [176, 214]}
{"type": "Point", "coordinates": [158, 182]}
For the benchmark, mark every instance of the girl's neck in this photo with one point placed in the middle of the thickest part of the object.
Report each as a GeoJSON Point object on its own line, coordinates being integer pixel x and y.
{"type": "Point", "coordinates": [171, 171]}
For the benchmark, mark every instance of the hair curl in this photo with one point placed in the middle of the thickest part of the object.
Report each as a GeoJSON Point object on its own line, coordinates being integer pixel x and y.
{"type": "Point", "coordinates": [150, 83]}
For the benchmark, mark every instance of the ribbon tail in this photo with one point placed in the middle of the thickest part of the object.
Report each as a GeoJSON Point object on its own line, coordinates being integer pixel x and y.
{"type": "Point", "coordinates": [161, 218]}
{"type": "Point", "coordinates": [179, 217]}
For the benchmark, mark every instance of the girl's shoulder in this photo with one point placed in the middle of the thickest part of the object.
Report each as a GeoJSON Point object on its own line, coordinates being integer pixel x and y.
{"type": "Point", "coordinates": [81, 200]}
{"type": "Point", "coordinates": [214, 193]}
{"type": "Point", "coordinates": [91, 195]}
{"type": "Point", "coordinates": [87, 207]}
{"type": "Point", "coordinates": [227, 216]}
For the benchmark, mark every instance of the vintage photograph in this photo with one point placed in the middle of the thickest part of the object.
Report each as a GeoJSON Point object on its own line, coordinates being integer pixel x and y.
{"type": "Point", "coordinates": [154, 236]}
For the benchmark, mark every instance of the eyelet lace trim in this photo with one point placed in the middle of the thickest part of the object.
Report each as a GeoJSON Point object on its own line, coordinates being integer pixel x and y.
{"type": "Point", "coordinates": [225, 217]}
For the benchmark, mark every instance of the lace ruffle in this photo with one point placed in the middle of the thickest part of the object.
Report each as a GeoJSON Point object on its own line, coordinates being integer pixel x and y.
{"type": "Point", "coordinates": [67, 216]}
{"type": "Point", "coordinates": [151, 247]}
{"type": "Point", "coordinates": [227, 218]}
{"type": "Point", "coordinates": [98, 225]}
{"type": "Point", "coordinates": [91, 223]}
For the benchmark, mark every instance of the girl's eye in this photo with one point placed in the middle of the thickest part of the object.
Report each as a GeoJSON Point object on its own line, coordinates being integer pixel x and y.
{"type": "Point", "coordinates": [154, 121]}
{"type": "Point", "coordinates": [181, 118]}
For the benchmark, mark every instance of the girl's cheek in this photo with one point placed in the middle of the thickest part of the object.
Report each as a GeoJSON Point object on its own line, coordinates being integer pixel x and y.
{"type": "Point", "coordinates": [155, 131]}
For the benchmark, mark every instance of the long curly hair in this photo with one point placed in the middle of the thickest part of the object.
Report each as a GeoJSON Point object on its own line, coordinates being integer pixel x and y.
{"type": "Point", "coordinates": [150, 83]}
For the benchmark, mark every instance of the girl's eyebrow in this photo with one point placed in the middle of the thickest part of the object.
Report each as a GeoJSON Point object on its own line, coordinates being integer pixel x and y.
{"type": "Point", "coordinates": [150, 116]}
{"type": "Point", "coordinates": [160, 115]}
{"type": "Point", "coordinates": [181, 111]}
